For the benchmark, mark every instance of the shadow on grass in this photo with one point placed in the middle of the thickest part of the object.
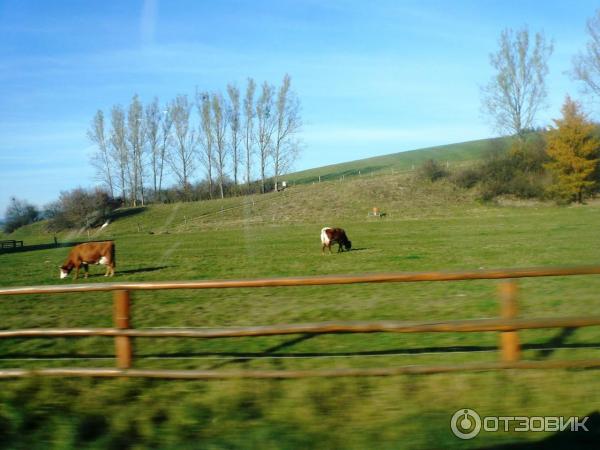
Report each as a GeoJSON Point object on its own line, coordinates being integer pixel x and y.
{"type": "Point", "coordinates": [272, 351]}
{"type": "Point", "coordinates": [334, 251]}
{"type": "Point", "coordinates": [269, 351]}
{"type": "Point", "coordinates": [556, 341]}
{"type": "Point", "coordinates": [121, 272]}
{"type": "Point", "coordinates": [29, 248]}
{"type": "Point", "coordinates": [567, 439]}
{"type": "Point", "coordinates": [140, 270]}
{"type": "Point", "coordinates": [126, 212]}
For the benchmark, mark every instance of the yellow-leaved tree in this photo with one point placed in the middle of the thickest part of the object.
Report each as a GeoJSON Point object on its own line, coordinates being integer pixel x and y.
{"type": "Point", "coordinates": [573, 148]}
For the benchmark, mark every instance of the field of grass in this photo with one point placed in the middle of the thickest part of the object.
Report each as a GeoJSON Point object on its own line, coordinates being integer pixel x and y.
{"type": "Point", "coordinates": [427, 227]}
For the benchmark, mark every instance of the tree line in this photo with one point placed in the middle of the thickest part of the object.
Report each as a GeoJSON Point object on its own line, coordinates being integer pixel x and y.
{"type": "Point", "coordinates": [240, 144]}
{"type": "Point", "coordinates": [561, 163]}
{"type": "Point", "coordinates": [245, 144]}
{"type": "Point", "coordinates": [568, 153]}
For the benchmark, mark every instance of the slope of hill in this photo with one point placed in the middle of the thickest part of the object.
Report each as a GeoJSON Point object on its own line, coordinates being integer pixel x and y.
{"type": "Point", "coordinates": [334, 199]}
{"type": "Point", "coordinates": [403, 161]}
{"type": "Point", "coordinates": [400, 196]}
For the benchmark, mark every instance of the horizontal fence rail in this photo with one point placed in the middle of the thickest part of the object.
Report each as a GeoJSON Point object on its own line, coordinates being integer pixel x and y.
{"type": "Point", "coordinates": [291, 374]}
{"type": "Point", "coordinates": [473, 325]}
{"type": "Point", "coordinates": [310, 281]}
{"type": "Point", "coordinates": [123, 332]}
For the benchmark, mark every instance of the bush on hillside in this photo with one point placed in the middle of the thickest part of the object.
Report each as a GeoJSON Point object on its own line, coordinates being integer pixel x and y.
{"type": "Point", "coordinates": [518, 171]}
{"type": "Point", "coordinates": [80, 208]}
{"type": "Point", "coordinates": [466, 178]}
{"type": "Point", "coordinates": [431, 170]}
{"type": "Point", "coordinates": [19, 213]}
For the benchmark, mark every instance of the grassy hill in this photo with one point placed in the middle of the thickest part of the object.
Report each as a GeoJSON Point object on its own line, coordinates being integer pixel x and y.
{"type": "Point", "coordinates": [428, 226]}
{"type": "Point", "coordinates": [453, 154]}
{"type": "Point", "coordinates": [348, 192]}
{"type": "Point", "coordinates": [384, 181]}
{"type": "Point", "coordinates": [400, 196]}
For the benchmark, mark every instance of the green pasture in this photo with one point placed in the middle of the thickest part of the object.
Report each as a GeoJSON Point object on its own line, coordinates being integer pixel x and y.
{"type": "Point", "coordinates": [454, 154]}
{"type": "Point", "coordinates": [427, 227]}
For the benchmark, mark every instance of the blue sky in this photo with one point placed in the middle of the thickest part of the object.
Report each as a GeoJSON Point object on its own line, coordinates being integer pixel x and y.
{"type": "Point", "coordinates": [373, 77]}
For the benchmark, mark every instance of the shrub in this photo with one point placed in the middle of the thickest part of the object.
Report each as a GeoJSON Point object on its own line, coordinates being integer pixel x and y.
{"type": "Point", "coordinates": [80, 208]}
{"type": "Point", "coordinates": [19, 213]}
{"type": "Point", "coordinates": [518, 171]}
{"type": "Point", "coordinates": [467, 178]}
{"type": "Point", "coordinates": [431, 170]}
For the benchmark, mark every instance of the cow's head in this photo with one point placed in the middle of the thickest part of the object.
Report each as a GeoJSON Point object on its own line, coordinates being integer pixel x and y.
{"type": "Point", "coordinates": [348, 245]}
{"type": "Point", "coordinates": [64, 271]}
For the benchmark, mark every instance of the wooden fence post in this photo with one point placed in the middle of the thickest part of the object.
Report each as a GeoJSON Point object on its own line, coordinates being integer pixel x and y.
{"type": "Point", "coordinates": [122, 316]}
{"type": "Point", "coordinates": [509, 340]}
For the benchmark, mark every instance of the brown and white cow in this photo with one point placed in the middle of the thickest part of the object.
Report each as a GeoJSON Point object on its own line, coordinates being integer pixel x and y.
{"type": "Point", "coordinates": [331, 236]}
{"type": "Point", "coordinates": [90, 253]}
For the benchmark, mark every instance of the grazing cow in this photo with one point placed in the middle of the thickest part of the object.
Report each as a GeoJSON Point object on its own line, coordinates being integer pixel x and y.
{"type": "Point", "coordinates": [90, 253]}
{"type": "Point", "coordinates": [332, 236]}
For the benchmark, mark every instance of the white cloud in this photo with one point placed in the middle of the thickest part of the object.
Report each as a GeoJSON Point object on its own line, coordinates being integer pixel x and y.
{"type": "Point", "coordinates": [148, 21]}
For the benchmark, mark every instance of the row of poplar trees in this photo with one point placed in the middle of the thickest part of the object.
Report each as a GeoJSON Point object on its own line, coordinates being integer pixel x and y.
{"type": "Point", "coordinates": [233, 139]}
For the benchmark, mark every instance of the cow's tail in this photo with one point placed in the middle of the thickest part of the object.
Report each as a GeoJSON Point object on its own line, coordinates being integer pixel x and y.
{"type": "Point", "coordinates": [113, 255]}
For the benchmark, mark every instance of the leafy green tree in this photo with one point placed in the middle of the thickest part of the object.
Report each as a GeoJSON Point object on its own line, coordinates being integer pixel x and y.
{"type": "Point", "coordinates": [573, 148]}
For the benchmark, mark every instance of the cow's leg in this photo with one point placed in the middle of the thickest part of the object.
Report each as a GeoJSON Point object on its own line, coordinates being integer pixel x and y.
{"type": "Point", "coordinates": [323, 249]}
{"type": "Point", "coordinates": [329, 247]}
{"type": "Point", "coordinates": [76, 272]}
{"type": "Point", "coordinates": [85, 270]}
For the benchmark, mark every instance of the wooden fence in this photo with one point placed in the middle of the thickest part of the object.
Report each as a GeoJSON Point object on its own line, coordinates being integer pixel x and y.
{"type": "Point", "coordinates": [10, 243]}
{"type": "Point", "coordinates": [123, 332]}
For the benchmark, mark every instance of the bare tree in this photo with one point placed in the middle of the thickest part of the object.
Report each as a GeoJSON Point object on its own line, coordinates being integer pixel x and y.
{"type": "Point", "coordinates": [586, 66]}
{"type": "Point", "coordinates": [165, 144]}
{"type": "Point", "coordinates": [135, 140]}
{"type": "Point", "coordinates": [235, 136]}
{"type": "Point", "coordinates": [119, 147]}
{"type": "Point", "coordinates": [101, 159]}
{"type": "Point", "coordinates": [152, 121]}
{"type": "Point", "coordinates": [219, 124]}
{"type": "Point", "coordinates": [285, 145]}
{"type": "Point", "coordinates": [249, 115]}
{"type": "Point", "coordinates": [266, 124]}
{"type": "Point", "coordinates": [518, 89]}
{"type": "Point", "coordinates": [157, 125]}
{"type": "Point", "coordinates": [181, 156]}
{"type": "Point", "coordinates": [206, 141]}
